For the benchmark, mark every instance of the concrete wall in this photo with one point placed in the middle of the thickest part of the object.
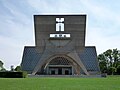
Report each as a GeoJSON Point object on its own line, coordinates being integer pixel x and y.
{"type": "Point", "coordinates": [74, 25]}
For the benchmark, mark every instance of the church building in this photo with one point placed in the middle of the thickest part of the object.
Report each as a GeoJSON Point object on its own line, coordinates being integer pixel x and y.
{"type": "Point", "coordinates": [60, 47]}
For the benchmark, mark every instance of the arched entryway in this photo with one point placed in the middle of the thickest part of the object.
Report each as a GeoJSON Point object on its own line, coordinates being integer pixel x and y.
{"type": "Point", "coordinates": [59, 66]}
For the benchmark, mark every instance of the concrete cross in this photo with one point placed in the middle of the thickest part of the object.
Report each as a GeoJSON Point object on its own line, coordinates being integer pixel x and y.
{"type": "Point", "coordinates": [60, 20]}
{"type": "Point", "coordinates": [59, 24]}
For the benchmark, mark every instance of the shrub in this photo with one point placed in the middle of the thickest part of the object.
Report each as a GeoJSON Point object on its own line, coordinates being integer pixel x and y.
{"type": "Point", "coordinates": [24, 74]}
{"type": "Point", "coordinates": [13, 74]}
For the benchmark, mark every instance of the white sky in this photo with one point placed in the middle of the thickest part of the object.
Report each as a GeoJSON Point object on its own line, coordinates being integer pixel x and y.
{"type": "Point", "coordinates": [17, 26]}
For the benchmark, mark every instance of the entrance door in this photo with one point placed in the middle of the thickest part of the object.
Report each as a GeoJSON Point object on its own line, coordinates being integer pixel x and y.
{"type": "Point", "coordinates": [59, 71]}
{"type": "Point", "coordinates": [52, 72]}
{"type": "Point", "coordinates": [66, 72]}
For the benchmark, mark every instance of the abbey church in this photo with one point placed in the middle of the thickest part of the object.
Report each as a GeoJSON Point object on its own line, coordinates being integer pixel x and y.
{"type": "Point", "coordinates": [60, 47]}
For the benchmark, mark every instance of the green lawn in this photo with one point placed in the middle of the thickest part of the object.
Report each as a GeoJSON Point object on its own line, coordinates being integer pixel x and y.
{"type": "Point", "coordinates": [109, 83]}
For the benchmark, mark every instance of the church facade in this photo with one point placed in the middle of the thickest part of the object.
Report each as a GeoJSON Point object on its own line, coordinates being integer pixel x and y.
{"type": "Point", "coordinates": [60, 47]}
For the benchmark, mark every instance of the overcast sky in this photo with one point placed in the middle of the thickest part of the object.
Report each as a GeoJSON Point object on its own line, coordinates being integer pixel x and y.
{"type": "Point", "coordinates": [17, 29]}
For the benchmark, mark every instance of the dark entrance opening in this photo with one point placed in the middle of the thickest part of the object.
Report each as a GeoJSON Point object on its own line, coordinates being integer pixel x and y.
{"type": "Point", "coordinates": [52, 72]}
{"type": "Point", "coordinates": [66, 72]}
{"type": "Point", "coordinates": [59, 71]}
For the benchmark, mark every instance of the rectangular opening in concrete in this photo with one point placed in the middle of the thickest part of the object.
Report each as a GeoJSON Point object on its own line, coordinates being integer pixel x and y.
{"type": "Point", "coordinates": [59, 35]}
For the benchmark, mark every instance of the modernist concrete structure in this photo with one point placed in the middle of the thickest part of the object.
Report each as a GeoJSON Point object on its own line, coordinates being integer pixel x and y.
{"type": "Point", "coordinates": [60, 47]}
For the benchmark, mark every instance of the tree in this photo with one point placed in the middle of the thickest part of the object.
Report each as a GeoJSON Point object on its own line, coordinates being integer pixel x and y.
{"type": "Point", "coordinates": [109, 61]}
{"type": "Point", "coordinates": [102, 63]}
{"type": "Point", "coordinates": [112, 70]}
{"type": "Point", "coordinates": [1, 66]}
{"type": "Point", "coordinates": [118, 69]}
{"type": "Point", "coordinates": [12, 68]}
{"type": "Point", "coordinates": [18, 68]}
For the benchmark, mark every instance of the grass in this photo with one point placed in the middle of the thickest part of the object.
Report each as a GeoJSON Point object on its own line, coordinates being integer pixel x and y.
{"type": "Point", "coordinates": [109, 83]}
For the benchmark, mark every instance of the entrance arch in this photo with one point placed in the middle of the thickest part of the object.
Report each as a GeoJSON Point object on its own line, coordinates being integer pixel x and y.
{"type": "Point", "coordinates": [60, 65]}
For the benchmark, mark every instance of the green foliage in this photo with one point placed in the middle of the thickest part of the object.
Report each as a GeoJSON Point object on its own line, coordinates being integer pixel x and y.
{"type": "Point", "coordinates": [1, 66]}
{"type": "Point", "coordinates": [13, 74]}
{"type": "Point", "coordinates": [18, 68]}
{"type": "Point", "coordinates": [111, 70]}
{"type": "Point", "coordinates": [1, 63]}
{"type": "Point", "coordinates": [109, 61]}
{"type": "Point", "coordinates": [3, 69]}
{"type": "Point", "coordinates": [102, 63]}
{"type": "Point", "coordinates": [118, 69]}
{"type": "Point", "coordinates": [25, 75]}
